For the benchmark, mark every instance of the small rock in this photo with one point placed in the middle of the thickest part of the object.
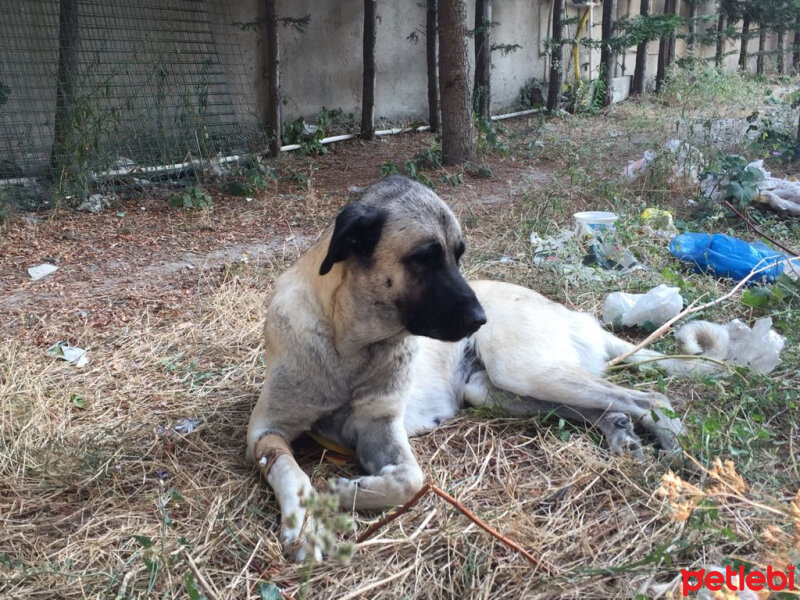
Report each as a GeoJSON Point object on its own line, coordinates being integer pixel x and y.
{"type": "Point", "coordinates": [186, 426]}
{"type": "Point", "coordinates": [95, 203]}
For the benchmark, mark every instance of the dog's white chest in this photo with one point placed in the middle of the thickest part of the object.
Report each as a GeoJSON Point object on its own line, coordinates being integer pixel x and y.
{"type": "Point", "coordinates": [436, 391]}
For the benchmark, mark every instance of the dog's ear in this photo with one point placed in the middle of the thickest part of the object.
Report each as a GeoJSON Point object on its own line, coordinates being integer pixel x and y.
{"type": "Point", "coordinates": [356, 233]}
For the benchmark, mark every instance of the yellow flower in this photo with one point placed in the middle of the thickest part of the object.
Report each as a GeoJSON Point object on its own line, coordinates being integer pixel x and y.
{"type": "Point", "coordinates": [730, 480]}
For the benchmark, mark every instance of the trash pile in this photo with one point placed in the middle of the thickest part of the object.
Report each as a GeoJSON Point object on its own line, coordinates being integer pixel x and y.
{"type": "Point", "coordinates": [758, 348]}
{"type": "Point", "coordinates": [589, 252]}
{"type": "Point", "coordinates": [687, 163]}
{"type": "Point", "coordinates": [781, 194]}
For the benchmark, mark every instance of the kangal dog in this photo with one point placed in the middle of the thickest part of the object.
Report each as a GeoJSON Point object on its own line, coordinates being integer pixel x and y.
{"type": "Point", "coordinates": [374, 336]}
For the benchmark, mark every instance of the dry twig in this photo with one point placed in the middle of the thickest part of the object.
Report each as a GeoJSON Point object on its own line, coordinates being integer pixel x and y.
{"type": "Point", "coordinates": [429, 487]}
{"type": "Point", "coordinates": [757, 230]}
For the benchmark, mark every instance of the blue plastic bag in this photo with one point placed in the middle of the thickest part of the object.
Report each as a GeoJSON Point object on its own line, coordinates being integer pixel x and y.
{"type": "Point", "coordinates": [727, 256]}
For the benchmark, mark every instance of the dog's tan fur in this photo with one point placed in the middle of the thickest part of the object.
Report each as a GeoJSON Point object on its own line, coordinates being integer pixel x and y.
{"type": "Point", "coordinates": [340, 358]}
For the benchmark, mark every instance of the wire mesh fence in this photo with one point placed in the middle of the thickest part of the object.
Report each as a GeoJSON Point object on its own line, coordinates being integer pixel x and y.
{"type": "Point", "coordinates": [97, 93]}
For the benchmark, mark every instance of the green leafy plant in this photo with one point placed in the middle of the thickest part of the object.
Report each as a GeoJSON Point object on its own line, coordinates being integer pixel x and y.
{"type": "Point", "coordinates": [780, 294]}
{"type": "Point", "coordinates": [308, 136]}
{"type": "Point", "coordinates": [389, 168]}
{"type": "Point", "coordinates": [191, 198]}
{"type": "Point", "coordinates": [737, 179]}
{"type": "Point", "coordinates": [489, 139]}
{"type": "Point", "coordinates": [452, 179]}
{"type": "Point", "coordinates": [430, 158]}
{"type": "Point", "coordinates": [771, 140]}
{"type": "Point", "coordinates": [531, 94]}
{"type": "Point", "coordinates": [584, 96]}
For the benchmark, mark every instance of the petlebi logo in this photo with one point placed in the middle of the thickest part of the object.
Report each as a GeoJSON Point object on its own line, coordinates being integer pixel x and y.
{"type": "Point", "coordinates": [735, 580]}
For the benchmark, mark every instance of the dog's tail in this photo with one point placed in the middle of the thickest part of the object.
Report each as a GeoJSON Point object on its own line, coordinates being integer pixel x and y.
{"type": "Point", "coordinates": [696, 338]}
{"type": "Point", "coordinates": [703, 338]}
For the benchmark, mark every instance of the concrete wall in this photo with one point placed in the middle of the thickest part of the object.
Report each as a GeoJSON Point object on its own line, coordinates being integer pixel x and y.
{"type": "Point", "coordinates": [321, 67]}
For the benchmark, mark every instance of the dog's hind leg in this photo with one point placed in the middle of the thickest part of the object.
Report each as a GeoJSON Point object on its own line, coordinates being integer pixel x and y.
{"type": "Point", "coordinates": [584, 392]}
{"type": "Point", "coordinates": [383, 451]}
{"type": "Point", "coordinates": [592, 398]}
{"type": "Point", "coordinates": [616, 427]}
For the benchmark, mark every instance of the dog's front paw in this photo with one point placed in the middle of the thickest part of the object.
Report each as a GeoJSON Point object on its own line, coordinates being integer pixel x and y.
{"type": "Point", "coordinates": [300, 535]}
{"type": "Point", "coordinates": [345, 489]}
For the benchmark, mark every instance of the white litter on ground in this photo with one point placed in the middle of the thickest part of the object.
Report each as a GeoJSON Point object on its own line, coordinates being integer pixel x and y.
{"type": "Point", "coordinates": [95, 203]}
{"type": "Point", "coordinates": [781, 194]}
{"type": "Point", "coordinates": [758, 348]}
{"type": "Point", "coordinates": [42, 270]}
{"type": "Point", "coordinates": [73, 354]}
{"type": "Point", "coordinates": [186, 426]}
{"type": "Point", "coordinates": [688, 162]}
{"type": "Point", "coordinates": [656, 307]}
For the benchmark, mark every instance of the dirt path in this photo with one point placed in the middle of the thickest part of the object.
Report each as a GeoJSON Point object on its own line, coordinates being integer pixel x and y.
{"type": "Point", "coordinates": [142, 254]}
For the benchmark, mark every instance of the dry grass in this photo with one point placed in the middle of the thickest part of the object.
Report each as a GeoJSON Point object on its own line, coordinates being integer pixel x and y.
{"type": "Point", "coordinates": [90, 462]}
{"type": "Point", "coordinates": [101, 498]}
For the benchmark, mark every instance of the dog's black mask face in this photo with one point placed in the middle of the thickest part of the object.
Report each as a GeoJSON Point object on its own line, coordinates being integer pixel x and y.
{"type": "Point", "coordinates": [439, 303]}
{"type": "Point", "coordinates": [403, 245]}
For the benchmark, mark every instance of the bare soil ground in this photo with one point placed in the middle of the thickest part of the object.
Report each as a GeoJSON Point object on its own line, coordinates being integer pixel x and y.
{"type": "Point", "coordinates": [107, 491]}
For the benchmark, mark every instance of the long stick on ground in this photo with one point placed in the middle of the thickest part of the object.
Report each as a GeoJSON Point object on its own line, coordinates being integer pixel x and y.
{"type": "Point", "coordinates": [370, 531]}
{"type": "Point", "coordinates": [691, 309]}
{"type": "Point", "coordinates": [429, 487]}
{"type": "Point", "coordinates": [483, 525]}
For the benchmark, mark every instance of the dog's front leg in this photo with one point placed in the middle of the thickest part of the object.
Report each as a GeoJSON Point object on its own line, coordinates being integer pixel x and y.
{"type": "Point", "coordinates": [383, 451]}
{"type": "Point", "coordinates": [292, 488]}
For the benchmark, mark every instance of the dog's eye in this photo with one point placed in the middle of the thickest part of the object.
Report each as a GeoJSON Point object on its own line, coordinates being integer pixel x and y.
{"type": "Point", "coordinates": [428, 254]}
{"type": "Point", "coordinates": [459, 251]}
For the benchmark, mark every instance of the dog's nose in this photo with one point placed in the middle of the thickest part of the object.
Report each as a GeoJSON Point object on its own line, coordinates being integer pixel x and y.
{"type": "Point", "coordinates": [474, 318]}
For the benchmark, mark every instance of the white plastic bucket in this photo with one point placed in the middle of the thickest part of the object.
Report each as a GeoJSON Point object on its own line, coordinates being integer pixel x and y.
{"type": "Point", "coordinates": [595, 219]}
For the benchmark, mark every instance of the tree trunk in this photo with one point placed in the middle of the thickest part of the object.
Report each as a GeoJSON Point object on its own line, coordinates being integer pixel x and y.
{"type": "Point", "coordinates": [556, 58]}
{"type": "Point", "coordinates": [781, 41]}
{"type": "Point", "coordinates": [368, 82]}
{"type": "Point", "coordinates": [745, 41]}
{"type": "Point", "coordinates": [430, 54]}
{"type": "Point", "coordinates": [692, 28]}
{"type": "Point", "coordinates": [483, 58]}
{"type": "Point", "coordinates": [458, 132]}
{"type": "Point", "coordinates": [675, 7]}
{"type": "Point", "coordinates": [796, 49]}
{"type": "Point", "coordinates": [663, 50]}
{"type": "Point", "coordinates": [640, 70]}
{"type": "Point", "coordinates": [67, 81]}
{"type": "Point", "coordinates": [797, 142]}
{"type": "Point", "coordinates": [720, 40]}
{"type": "Point", "coordinates": [607, 57]}
{"type": "Point", "coordinates": [272, 115]}
{"type": "Point", "coordinates": [762, 44]}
